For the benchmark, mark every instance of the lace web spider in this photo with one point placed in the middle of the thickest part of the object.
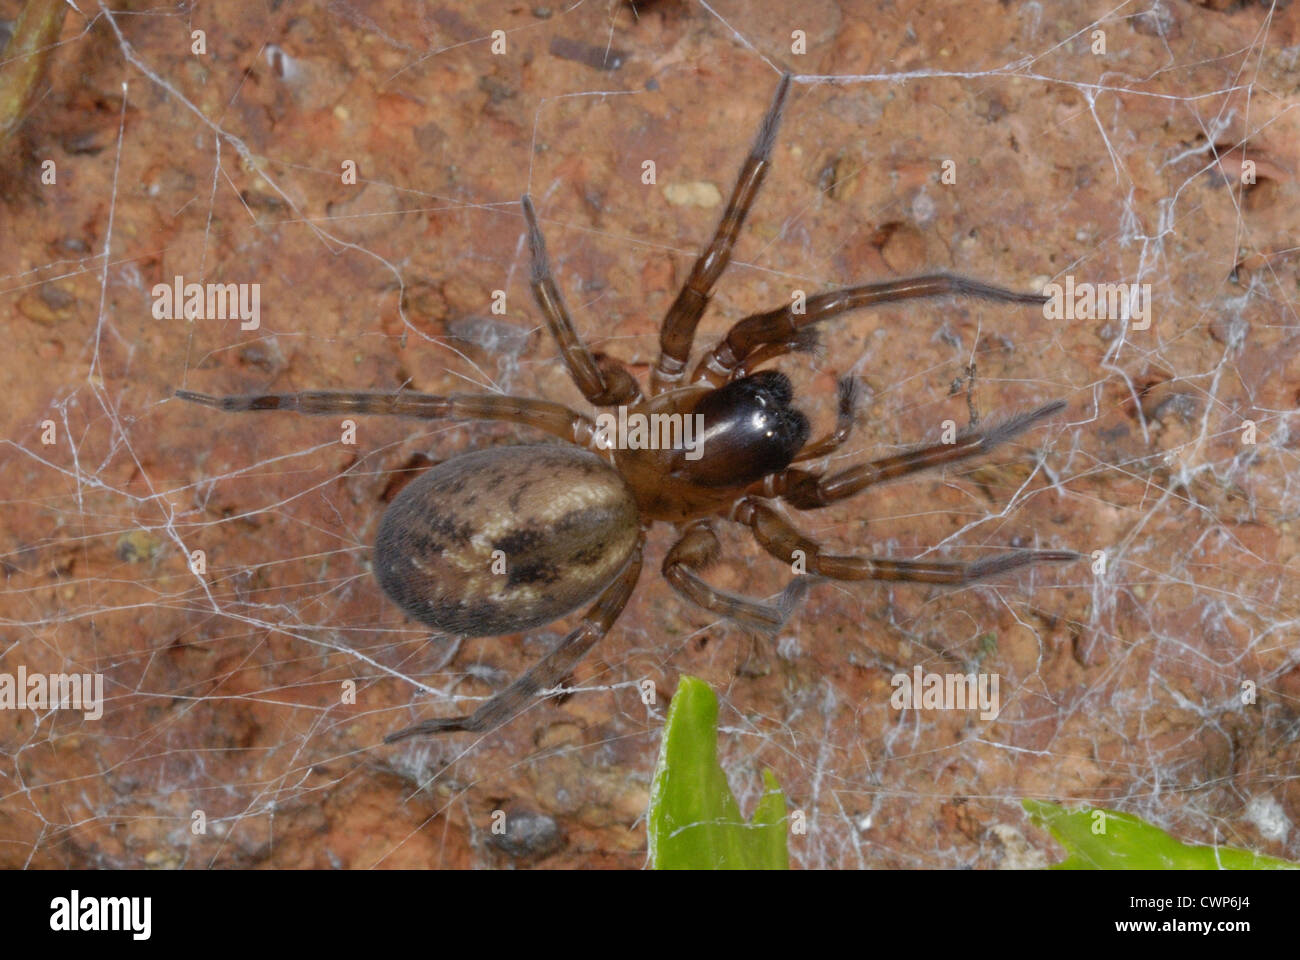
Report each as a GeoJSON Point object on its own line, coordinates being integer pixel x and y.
{"type": "Point", "coordinates": [502, 540]}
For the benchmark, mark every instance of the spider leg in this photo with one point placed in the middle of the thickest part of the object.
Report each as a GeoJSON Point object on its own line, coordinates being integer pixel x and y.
{"type": "Point", "coordinates": [807, 341]}
{"type": "Point", "coordinates": [548, 671]}
{"type": "Point", "coordinates": [850, 396]}
{"type": "Point", "coordinates": [554, 418]}
{"type": "Point", "coordinates": [783, 325]}
{"type": "Point", "coordinates": [780, 538]}
{"type": "Point", "coordinates": [677, 333]}
{"type": "Point", "coordinates": [697, 549]}
{"type": "Point", "coordinates": [602, 379]}
{"type": "Point", "coordinates": [808, 490]}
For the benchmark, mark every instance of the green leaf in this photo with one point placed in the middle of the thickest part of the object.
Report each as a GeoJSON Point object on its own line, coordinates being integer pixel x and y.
{"type": "Point", "coordinates": [695, 822]}
{"type": "Point", "coordinates": [1130, 843]}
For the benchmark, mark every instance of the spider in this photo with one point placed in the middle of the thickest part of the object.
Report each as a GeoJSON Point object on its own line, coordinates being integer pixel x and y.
{"type": "Point", "coordinates": [503, 540]}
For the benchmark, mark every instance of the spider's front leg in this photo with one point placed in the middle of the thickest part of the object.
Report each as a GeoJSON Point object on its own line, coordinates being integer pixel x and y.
{"type": "Point", "coordinates": [677, 333]}
{"type": "Point", "coordinates": [809, 490]}
{"type": "Point", "coordinates": [554, 418]}
{"type": "Point", "coordinates": [548, 671]}
{"type": "Point", "coordinates": [777, 331]}
{"type": "Point", "coordinates": [603, 380]}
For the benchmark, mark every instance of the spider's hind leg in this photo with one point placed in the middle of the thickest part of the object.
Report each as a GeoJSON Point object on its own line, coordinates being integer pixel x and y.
{"type": "Point", "coordinates": [548, 671]}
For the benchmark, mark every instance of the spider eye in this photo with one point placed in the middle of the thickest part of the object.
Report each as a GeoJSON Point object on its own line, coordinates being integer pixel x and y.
{"type": "Point", "coordinates": [768, 386]}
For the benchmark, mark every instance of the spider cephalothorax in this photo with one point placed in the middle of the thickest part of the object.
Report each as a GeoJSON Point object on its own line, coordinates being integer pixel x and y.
{"type": "Point", "coordinates": [511, 538]}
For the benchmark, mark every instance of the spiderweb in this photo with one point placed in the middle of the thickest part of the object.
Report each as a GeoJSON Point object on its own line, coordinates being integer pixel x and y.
{"type": "Point", "coordinates": [1164, 684]}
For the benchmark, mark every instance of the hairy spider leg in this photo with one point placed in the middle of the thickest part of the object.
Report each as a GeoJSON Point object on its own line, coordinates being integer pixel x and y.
{"type": "Point", "coordinates": [810, 490]}
{"type": "Point", "coordinates": [677, 333]}
{"type": "Point", "coordinates": [780, 538]}
{"type": "Point", "coordinates": [731, 356]}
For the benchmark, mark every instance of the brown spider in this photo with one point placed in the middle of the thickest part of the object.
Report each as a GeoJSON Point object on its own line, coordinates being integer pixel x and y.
{"type": "Point", "coordinates": [503, 540]}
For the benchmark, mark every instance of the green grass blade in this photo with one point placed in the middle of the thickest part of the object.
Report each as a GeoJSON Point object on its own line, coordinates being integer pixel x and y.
{"type": "Point", "coordinates": [695, 822]}
{"type": "Point", "coordinates": [1129, 843]}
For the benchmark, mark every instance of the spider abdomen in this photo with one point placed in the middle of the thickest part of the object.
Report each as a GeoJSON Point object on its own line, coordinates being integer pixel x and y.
{"type": "Point", "coordinates": [503, 540]}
